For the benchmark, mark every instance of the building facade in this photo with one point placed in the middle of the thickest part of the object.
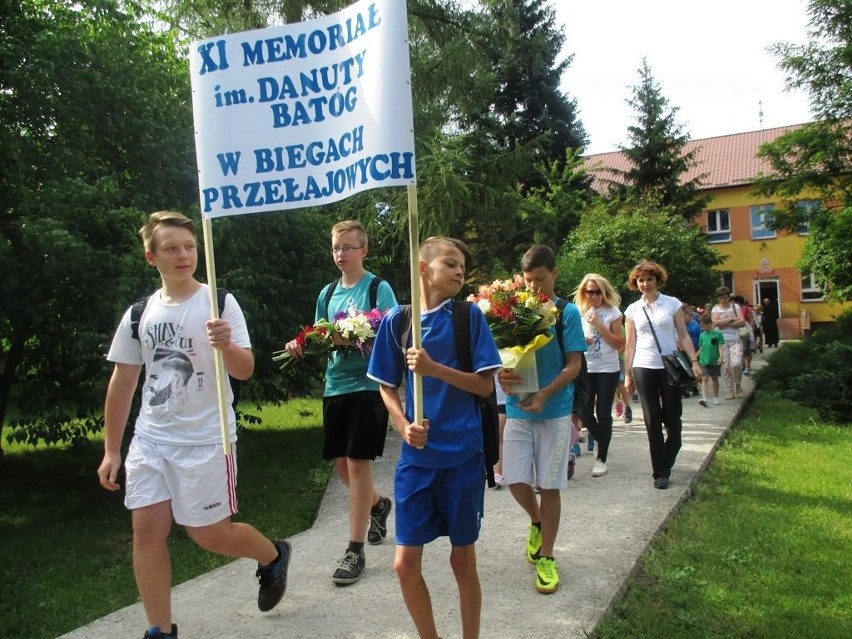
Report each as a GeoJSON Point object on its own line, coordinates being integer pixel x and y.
{"type": "Point", "coordinates": [760, 263]}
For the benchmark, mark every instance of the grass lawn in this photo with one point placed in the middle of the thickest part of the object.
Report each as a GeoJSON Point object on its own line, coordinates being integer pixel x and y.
{"type": "Point", "coordinates": [764, 549]}
{"type": "Point", "coordinates": [65, 543]}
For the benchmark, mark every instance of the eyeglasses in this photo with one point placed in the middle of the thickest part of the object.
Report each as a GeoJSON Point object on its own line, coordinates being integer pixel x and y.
{"type": "Point", "coordinates": [344, 249]}
{"type": "Point", "coordinates": [596, 291]}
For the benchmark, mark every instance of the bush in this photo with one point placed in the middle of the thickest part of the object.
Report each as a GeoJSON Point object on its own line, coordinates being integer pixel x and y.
{"type": "Point", "coordinates": [816, 371]}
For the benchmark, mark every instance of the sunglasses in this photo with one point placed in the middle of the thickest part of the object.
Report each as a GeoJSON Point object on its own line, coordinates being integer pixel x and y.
{"type": "Point", "coordinates": [596, 291]}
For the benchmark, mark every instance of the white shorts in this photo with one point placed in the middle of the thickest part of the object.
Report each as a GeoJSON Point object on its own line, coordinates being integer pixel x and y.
{"type": "Point", "coordinates": [200, 481]}
{"type": "Point", "coordinates": [535, 452]}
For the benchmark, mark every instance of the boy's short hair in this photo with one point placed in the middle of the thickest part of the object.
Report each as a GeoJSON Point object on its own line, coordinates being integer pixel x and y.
{"type": "Point", "coordinates": [163, 218]}
{"type": "Point", "coordinates": [705, 319]}
{"type": "Point", "coordinates": [647, 267]}
{"type": "Point", "coordinates": [350, 225]}
{"type": "Point", "coordinates": [431, 247]}
{"type": "Point", "coordinates": [538, 255]}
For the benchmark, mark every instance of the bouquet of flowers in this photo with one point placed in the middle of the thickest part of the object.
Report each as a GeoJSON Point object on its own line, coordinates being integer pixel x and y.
{"type": "Point", "coordinates": [349, 331]}
{"type": "Point", "coordinates": [519, 321]}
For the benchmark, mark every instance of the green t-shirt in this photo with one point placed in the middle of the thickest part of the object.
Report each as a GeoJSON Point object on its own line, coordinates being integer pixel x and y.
{"type": "Point", "coordinates": [708, 346]}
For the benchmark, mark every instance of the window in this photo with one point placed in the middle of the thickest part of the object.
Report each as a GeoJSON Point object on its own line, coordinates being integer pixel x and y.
{"type": "Point", "coordinates": [727, 280]}
{"type": "Point", "coordinates": [811, 290]}
{"type": "Point", "coordinates": [807, 207]}
{"type": "Point", "coordinates": [718, 226]}
{"type": "Point", "coordinates": [761, 215]}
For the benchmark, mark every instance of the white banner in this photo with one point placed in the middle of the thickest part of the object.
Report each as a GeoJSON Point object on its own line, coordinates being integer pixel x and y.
{"type": "Point", "coordinates": [304, 114]}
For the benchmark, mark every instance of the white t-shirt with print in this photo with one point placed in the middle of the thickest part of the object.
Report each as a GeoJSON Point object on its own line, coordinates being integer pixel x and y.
{"type": "Point", "coordinates": [179, 396]}
{"type": "Point", "coordinates": [601, 357]}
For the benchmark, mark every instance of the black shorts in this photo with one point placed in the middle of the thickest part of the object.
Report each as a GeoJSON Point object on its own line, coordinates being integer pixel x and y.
{"type": "Point", "coordinates": [355, 425]}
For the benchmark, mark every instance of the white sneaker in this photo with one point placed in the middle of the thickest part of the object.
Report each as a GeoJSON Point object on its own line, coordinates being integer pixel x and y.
{"type": "Point", "coordinates": [600, 469]}
{"type": "Point", "coordinates": [716, 401]}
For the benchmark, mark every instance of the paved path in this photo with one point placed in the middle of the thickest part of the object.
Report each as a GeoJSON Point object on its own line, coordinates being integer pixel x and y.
{"type": "Point", "coordinates": [607, 524]}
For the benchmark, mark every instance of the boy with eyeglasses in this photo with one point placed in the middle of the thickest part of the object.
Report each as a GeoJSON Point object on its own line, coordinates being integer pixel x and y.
{"type": "Point", "coordinates": [355, 419]}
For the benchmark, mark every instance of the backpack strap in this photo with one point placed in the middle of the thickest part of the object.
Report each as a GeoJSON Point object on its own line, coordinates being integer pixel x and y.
{"type": "Point", "coordinates": [374, 294]}
{"type": "Point", "coordinates": [561, 304]}
{"type": "Point", "coordinates": [141, 304]}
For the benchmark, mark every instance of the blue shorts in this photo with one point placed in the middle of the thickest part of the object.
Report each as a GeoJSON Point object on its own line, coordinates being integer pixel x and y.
{"type": "Point", "coordinates": [711, 370]}
{"type": "Point", "coordinates": [438, 502]}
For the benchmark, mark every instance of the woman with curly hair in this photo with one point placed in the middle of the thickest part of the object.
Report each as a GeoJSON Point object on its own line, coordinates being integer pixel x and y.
{"type": "Point", "coordinates": [655, 313]}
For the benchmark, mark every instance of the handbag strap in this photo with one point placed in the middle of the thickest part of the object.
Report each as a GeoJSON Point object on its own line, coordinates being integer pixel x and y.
{"type": "Point", "coordinates": [653, 332]}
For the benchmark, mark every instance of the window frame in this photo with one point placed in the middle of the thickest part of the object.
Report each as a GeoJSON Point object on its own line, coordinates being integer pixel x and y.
{"type": "Point", "coordinates": [759, 231]}
{"type": "Point", "coordinates": [809, 289]}
{"type": "Point", "coordinates": [720, 235]}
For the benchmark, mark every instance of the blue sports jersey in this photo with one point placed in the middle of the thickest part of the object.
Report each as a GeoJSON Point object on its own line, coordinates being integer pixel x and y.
{"type": "Point", "coordinates": [455, 430]}
{"type": "Point", "coordinates": [348, 373]}
{"type": "Point", "coordinates": [550, 361]}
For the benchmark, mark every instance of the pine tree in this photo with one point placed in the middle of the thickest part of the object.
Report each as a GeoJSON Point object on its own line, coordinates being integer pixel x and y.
{"type": "Point", "coordinates": [659, 162]}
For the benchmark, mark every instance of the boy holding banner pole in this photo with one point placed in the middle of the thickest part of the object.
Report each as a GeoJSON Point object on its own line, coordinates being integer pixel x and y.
{"type": "Point", "coordinates": [176, 469]}
{"type": "Point", "coordinates": [439, 482]}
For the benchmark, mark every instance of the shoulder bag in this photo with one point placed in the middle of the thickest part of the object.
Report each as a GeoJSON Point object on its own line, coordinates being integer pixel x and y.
{"type": "Point", "coordinates": [677, 364]}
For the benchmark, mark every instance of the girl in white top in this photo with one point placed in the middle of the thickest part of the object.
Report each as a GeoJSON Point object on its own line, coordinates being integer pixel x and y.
{"type": "Point", "coordinates": [661, 402]}
{"type": "Point", "coordinates": [598, 303]}
{"type": "Point", "coordinates": [728, 317]}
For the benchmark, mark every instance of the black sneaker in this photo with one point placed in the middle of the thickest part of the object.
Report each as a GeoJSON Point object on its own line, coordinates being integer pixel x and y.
{"type": "Point", "coordinates": [350, 568]}
{"type": "Point", "coordinates": [156, 633]}
{"type": "Point", "coordinates": [379, 521]}
{"type": "Point", "coordinates": [661, 482]}
{"type": "Point", "coordinates": [273, 579]}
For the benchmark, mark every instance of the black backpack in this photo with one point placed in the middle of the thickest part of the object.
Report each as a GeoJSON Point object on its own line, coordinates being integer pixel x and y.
{"type": "Point", "coordinates": [581, 382]}
{"type": "Point", "coordinates": [487, 405]}
{"type": "Point", "coordinates": [374, 294]}
{"type": "Point", "coordinates": [136, 315]}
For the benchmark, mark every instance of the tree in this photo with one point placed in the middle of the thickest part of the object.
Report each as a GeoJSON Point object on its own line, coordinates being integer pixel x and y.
{"type": "Point", "coordinates": [816, 160]}
{"type": "Point", "coordinates": [614, 236]}
{"type": "Point", "coordinates": [658, 161]}
{"type": "Point", "coordinates": [95, 128]}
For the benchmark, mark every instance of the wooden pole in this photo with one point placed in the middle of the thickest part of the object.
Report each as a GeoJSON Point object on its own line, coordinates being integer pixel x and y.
{"type": "Point", "coordinates": [414, 260]}
{"type": "Point", "coordinates": [221, 376]}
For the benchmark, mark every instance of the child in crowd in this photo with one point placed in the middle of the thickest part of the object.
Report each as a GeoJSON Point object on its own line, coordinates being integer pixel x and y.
{"type": "Point", "coordinates": [354, 417]}
{"type": "Point", "coordinates": [537, 437]}
{"type": "Point", "coordinates": [439, 483]}
{"type": "Point", "coordinates": [176, 469]}
{"type": "Point", "coordinates": [709, 357]}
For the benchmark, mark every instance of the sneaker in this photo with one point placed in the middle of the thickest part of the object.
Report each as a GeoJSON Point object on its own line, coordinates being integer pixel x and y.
{"type": "Point", "coordinates": [746, 372]}
{"type": "Point", "coordinates": [716, 401]}
{"type": "Point", "coordinates": [740, 393]}
{"type": "Point", "coordinates": [533, 544]}
{"type": "Point", "coordinates": [619, 409]}
{"type": "Point", "coordinates": [600, 469]}
{"type": "Point", "coordinates": [273, 578]}
{"type": "Point", "coordinates": [546, 576]}
{"type": "Point", "coordinates": [703, 402]}
{"type": "Point", "coordinates": [156, 633]}
{"type": "Point", "coordinates": [575, 450]}
{"type": "Point", "coordinates": [628, 414]}
{"type": "Point", "coordinates": [379, 521]}
{"type": "Point", "coordinates": [349, 568]}
{"type": "Point", "coordinates": [661, 482]}
{"type": "Point", "coordinates": [572, 462]}
{"type": "Point", "coordinates": [582, 438]}
{"type": "Point", "coordinates": [635, 398]}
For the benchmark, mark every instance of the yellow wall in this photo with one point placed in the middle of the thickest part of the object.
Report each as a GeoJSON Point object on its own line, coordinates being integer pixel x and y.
{"type": "Point", "coordinates": [745, 257]}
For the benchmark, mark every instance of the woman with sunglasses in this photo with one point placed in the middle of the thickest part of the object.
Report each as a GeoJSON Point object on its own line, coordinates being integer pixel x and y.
{"type": "Point", "coordinates": [655, 314]}
{"type": "Point", "coordinates": [598, 303]}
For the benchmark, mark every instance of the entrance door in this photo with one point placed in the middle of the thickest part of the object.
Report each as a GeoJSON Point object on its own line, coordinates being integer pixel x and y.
{"type": "Point", "coordinates": [764, 289]}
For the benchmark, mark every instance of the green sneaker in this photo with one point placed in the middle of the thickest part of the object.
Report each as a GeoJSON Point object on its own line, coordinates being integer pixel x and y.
{"type": "Point", "coordinates": [546, 576]}
{"type": "Point", "coordinates": [533, 544]}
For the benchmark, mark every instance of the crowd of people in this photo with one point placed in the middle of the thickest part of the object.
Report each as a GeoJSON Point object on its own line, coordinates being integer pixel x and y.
{"type": "Point", "coordinates": [600, 360]}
